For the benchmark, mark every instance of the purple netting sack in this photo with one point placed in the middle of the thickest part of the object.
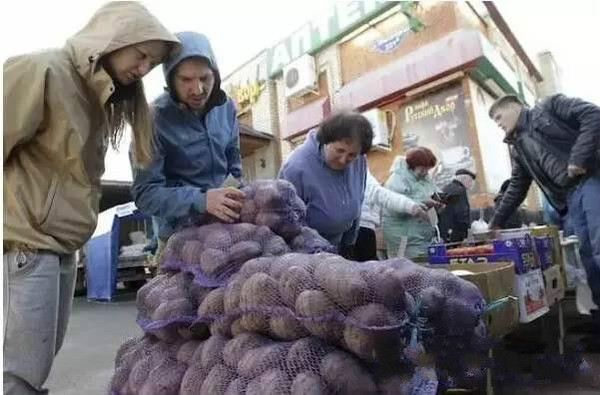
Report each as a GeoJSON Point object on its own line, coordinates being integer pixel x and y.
{"type": "Point", "coordinates": [167, 307]}
{"type": "Point", "coordinates": [274, 203]}
{"type": "Point", "coordinates": [212, 253]}
{"type": "Point", "coordinates": [372, 309]}
{"type": "Point", "coordinates": [147, 366]}
{"type": "Point", "coordinates": [253, 364]}
{"type": "Point", "coordinates": [309, 241]}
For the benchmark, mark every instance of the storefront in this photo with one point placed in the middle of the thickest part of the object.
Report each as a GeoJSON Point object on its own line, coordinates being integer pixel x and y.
{"type": "Point", "coordinates": [429, 86]}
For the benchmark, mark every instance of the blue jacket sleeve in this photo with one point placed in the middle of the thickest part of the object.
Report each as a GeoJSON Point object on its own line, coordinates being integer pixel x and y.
{"type": "Point", "coordinates": [154, 197]}
{"type": "Point", "coordinates": [234, 158]}
{"type": "Point", "coordinates": [294, 176]}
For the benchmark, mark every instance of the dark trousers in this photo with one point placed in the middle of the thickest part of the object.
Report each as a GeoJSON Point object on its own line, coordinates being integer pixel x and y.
{"type": "Point", "coordinates": [365, 248]}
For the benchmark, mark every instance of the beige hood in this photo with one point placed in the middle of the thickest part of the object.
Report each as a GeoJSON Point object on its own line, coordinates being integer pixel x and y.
{"type": "Point", "coordinates": [115, 25]}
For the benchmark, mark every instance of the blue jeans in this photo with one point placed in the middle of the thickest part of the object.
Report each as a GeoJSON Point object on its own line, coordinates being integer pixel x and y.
{"type": "Point", "coordinates": [584, 217]}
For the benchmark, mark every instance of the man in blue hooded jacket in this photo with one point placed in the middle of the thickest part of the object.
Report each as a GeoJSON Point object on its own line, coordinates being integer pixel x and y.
{"type": "Point", "coordinates": [196, 144]}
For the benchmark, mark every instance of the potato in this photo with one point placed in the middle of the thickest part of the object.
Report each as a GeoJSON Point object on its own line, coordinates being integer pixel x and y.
{"type": "Point", "coordinates": [153, 300]}
{"type": "Point", "coordinates": [186, 351]}
{"type": "Point", "coordinates": [258, 360]}
{"type": "Point", "coordinates": [236, 387]}
{"type": "Point", "coordinates": [218, 380]}
{"type": "Point", "coordinates": [260, 290]}
{"type": "Point", "coordinates": [198, 292]}
{"type": "Point", "coordinates": [118, 382]}
{"type": "Point", "coordinates": [167, 334]}
{"type": "Point", "coordinates": [244, 251]}
{"type": "Point", "coordinates": [287, 328]}
{"type": "Point", "coordinates": [237, 347]}
{"type": "Point", "coordinates": [275, 246]}
{"type": "Point", "coordinates": [307, 383]}
{"type": "Point", "coordinates": [312, 304]}
{"type": "Point", "coordinates": [255, 322]}
{"type": "Point", "coordinates": [272, 220]}
{"type": "Point", "coordinates": [342, 282]}
{"type": "Point", "coordinates": [172, 309]}
{"type": "Point", "coordinates": [293, 281]}
{"type": "Point", "coordinates": [128, 345]}
{"type": "Point", "coordinates": [212, 351]}
{"type": "Point", "coordinates": [195, 331]}
{"type": "Point", "coordinates": [165, 379]}
{"type": "Point", "coordinates": [249, 211]}
{"type": "Point", "coordinates": [385, 286]}
{"type": "Point", "coordinates": [172, 293]}
{"type": "Point", "coordinates": [346, 375]}
{"type": "Point", "coordinates": [221, 327]}
{"type": "Point", "coordinates": [192, 380]}
{"type": "Point", "coordinates": [212, 306]}
{"type": "Point", "coordinates": [432, 301]}
{"type": "Point", "coordinates": [253, 266]}
{"type": "Point", "coordinates": [233, 292]}
{"type": "Point", "coordinates": [139, 373]}
{"type": "Point", "coordinates": [273, 381]}
{"type": "Point", "coordinates": [213, 261]}
{"type": "Point", "coordinates": [372, 345]}
{"type": "Point", "coordinates": [191, 252]}
{"type": "Point", "coordinates": [219, 238]}
{"type": "Point", "coordinates": [267, 197]}
{"type": "Point", "coordinates": [237, 327]}
{"type": "Point", "coordinates": [304, 352]}
{"type": "Point", "coordinates": [197, 356]}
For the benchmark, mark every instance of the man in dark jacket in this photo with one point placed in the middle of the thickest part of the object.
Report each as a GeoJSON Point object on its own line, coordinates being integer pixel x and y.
{"type": "Point", "coordinates": [515, 220]}
{"type": "Point", "coordinates": [197, 144]}
{"type": "Point", "coordinates": [455, 218]}
{"type": "Point", "coordinates": [557, 144]}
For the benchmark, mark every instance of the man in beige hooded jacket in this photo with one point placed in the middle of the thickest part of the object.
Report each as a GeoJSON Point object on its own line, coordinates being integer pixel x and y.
{"type": "Point", "coordinates": [61, 109]}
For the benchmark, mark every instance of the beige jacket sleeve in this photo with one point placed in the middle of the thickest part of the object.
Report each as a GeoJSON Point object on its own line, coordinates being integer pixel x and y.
{"type": "Point", "coordinates": [24, 93]}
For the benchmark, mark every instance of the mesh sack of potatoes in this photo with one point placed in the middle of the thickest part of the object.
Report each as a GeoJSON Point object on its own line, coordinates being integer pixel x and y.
{"type": "Point", "coordinates": [252, 364]}
{"type": "Point", "coordinates": [371, 309]}
{"type": "Point", "coordinates": [167, 307]}
{"type": "Point", "coordinates": [274, 203]}
{"type": "Point", "coordinates": [146, 365]}
{"type": "Point", "coordinates": [309, 241]}
{"type": "Point", "coordinates": [212, 253]}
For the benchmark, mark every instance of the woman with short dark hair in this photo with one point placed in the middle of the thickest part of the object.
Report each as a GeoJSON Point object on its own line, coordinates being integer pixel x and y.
{"type": "Point", "coordinates": [329, 171]}
{"type": "Point", "coordinates": [409, 175]}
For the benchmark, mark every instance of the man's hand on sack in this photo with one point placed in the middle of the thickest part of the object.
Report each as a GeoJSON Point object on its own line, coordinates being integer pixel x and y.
{"type": "Point", "coordinates": [575, 171]}
{"type": "Point", "coordinates": [224, 203]}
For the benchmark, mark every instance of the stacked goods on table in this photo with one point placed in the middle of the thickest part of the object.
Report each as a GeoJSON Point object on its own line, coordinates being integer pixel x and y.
{"type": "Point", "coordinates": [237, 311]}
{"type": "Point", "coordinates": [538, 280]}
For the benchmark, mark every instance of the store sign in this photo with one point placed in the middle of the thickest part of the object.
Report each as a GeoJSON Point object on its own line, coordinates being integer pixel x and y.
{"type": "Point", "coordinates": [390, 44]}
{"type": "Point", "coordinates": [439, 122]}
{"type": "Point", "coordinates": [248, 94]}
{"type": "Point", "coordinates": [340, 20]}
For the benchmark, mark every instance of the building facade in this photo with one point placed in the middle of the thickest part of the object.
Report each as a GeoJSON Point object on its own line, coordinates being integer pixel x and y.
{"type": "Point", "coordinates": [424, 73]}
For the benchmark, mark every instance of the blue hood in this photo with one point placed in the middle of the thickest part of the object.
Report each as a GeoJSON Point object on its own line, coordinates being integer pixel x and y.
{"type": "Point", "coordinates": [196, 45]}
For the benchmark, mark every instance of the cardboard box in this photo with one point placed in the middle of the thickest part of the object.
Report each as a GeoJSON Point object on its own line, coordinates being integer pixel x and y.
{"type": "Point", "coordinates": [496, 281]}
{"type": "Point", "coordinates": [521, 251]}
{"type": "Point", "coordinates": [531, 292]}
{"type": "Point", "coordinates": [518, 249]}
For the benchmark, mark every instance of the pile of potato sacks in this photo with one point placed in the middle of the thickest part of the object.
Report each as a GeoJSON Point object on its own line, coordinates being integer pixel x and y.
{"type": "Point", "coordinates": [237, 311]}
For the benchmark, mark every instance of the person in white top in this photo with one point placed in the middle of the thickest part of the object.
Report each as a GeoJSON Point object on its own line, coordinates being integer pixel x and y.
{"type": "Point", "coordinates": [377, 198]}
